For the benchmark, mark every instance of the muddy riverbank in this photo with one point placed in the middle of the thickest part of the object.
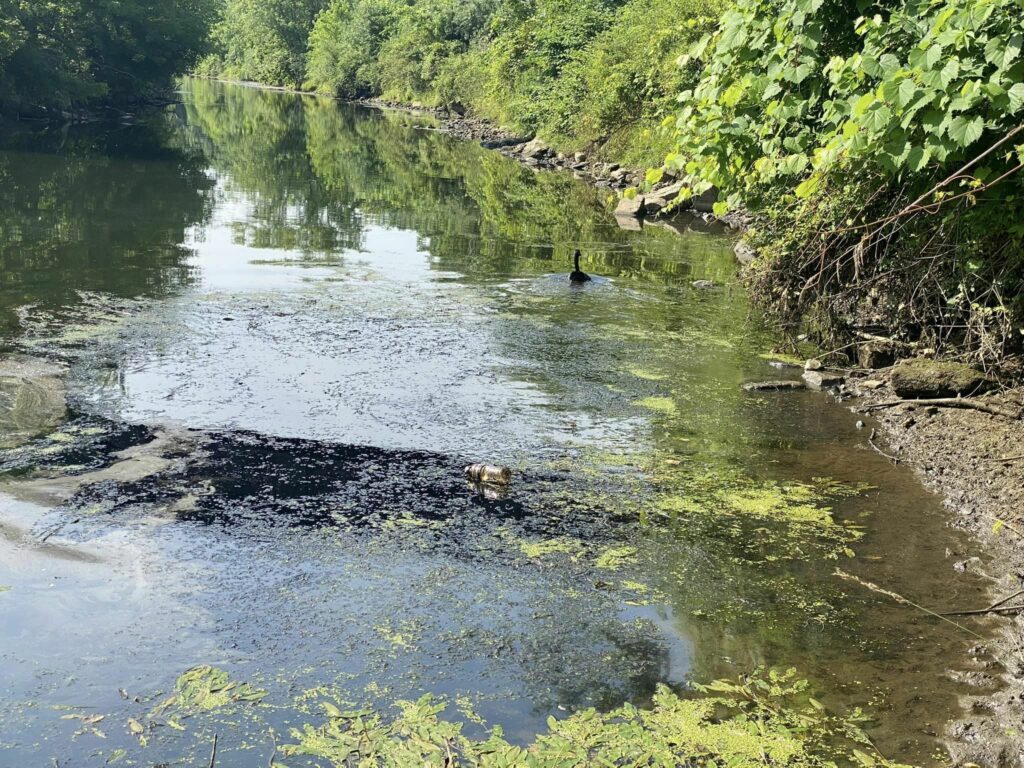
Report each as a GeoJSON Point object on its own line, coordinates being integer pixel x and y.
{"type": "Point", "coordinates": [975, 460]}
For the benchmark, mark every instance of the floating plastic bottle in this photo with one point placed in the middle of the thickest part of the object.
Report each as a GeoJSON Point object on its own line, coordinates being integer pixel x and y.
{"type": "Point", "coordinates": [487, 473]}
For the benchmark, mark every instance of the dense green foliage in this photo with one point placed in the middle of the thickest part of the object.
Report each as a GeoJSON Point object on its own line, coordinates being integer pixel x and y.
{"type": "Point", "coordinates": [62, 54]}
{"type": "Point", "coordinates": [838, 124]}
{"type": "Point", "coordinates": [263, 40]}
{"type": "Point", "coordinates": [578, 73]}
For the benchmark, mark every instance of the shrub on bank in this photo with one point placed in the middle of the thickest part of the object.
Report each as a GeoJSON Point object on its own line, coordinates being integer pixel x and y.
{"type": "Point", "coordinates": [881, 148]}
{"type": "Point", "coordinates": [598, 72]}
{"type": "Point", "coordinates": [76, 53]}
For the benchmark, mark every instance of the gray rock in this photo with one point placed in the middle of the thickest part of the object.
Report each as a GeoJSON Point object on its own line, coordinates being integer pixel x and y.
{"type": "Point", "coordinates": [535, 149]}
{"type": "Point", "coordinates": [774, 386]}
{"type": "Point", "coordinates": [820, 380]}
{"type": "Point", "coordinates": [669, 191]}
{"type": "Point", "coordinates": [654, 205]}
{"type": "Point", "coordinates": [704, 203]}
{"type": "Point", "coordinates": [631, 223]}
{"type": "Point", "coordinates": [921, 378]}
{"type": "Point", "coordinates": [875, 355]}
{"type": "Point", "coordinates": [813, 365]}
{"type": "Point", "coordinates": [580, 157]}
{"type": "Point", "coordinates": [634, 207]}
{"type": "Point", "coordinates": [703, 285]}
{"type": "Point", "coordinates": [745, 254]}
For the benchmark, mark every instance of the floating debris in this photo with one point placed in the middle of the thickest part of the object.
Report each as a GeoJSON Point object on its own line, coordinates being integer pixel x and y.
{"type": "Point", "coordinates": [489, 473]}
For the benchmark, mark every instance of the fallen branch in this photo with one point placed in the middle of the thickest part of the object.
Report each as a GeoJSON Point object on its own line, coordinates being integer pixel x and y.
{"type": "Point", "coordinates": [1005, 600]}
{"type": "Point", "coordinates": [901, 599]}
{"type": "Point", "coordinates": [1007, 458]}
{"type": "Point", "coordinates": [883, 340]}
{"type": "Point", "coordinates": [950, 402]}
{"type": "Point", "coordinates": [871, 442]}
{"type": "Point", "coordinates": [213, 754]}
{"type": "Point", "coordinates": [986, 611]}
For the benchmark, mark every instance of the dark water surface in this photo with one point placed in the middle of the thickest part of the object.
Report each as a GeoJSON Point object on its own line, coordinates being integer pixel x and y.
{"type": "Point", "coordinates": [288, 324]}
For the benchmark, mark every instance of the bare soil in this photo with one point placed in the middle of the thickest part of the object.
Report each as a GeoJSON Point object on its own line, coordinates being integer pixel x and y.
{"type": "Point", "coordinates": [975, 460]}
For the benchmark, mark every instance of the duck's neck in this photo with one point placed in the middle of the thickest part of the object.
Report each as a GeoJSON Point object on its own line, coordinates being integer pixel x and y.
{"type": "Point", "coordinates": [576, 262]}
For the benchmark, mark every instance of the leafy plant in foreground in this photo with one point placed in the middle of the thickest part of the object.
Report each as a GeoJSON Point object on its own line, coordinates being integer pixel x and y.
{"type": "Point", "coordinates": [764, 720]}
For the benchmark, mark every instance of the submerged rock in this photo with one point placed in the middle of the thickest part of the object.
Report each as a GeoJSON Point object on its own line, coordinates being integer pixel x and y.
{"type": "Point", "coordinates": [32, 399]}
{"type": "Point", "coordinates": [774, 386]}
{"type": "Point", "coordinates": [921, 378]}
{"type": "Point", "coordinates": [823, 379]}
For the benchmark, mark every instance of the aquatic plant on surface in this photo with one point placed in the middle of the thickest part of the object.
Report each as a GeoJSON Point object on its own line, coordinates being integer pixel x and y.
{"type": "Point", "coordinates": [766, 719]}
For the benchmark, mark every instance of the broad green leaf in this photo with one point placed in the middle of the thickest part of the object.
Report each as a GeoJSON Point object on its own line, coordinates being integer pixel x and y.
{"type": "Point", "coordinates": [863, 104]}
{"type": "Point", "coordinates": [965, 131]}
{"type": "Point", "coordinates": [918, 158]}
{"type": "Point", "coordinates": [1016, 97]}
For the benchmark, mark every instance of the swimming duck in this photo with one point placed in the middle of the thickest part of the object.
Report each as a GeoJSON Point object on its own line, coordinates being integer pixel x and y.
{"type": "Point", "coordinates": [577, 276]}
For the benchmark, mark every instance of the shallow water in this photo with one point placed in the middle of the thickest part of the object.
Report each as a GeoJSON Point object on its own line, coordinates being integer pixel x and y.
{"type": "Point", "coordinates": [289, 324]}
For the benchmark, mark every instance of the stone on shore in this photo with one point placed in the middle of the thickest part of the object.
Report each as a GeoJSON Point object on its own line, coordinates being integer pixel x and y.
{"type": "Point", "coordinates": [820, 380]}
{"type": "Point", "coordinates": [875, 355]}
{"type": "Point", "coordinates": [923, 378]}
{"type": "Point", "coordinates": [631, 207]}
{"type": "Point", "coordinates": [535, 149]}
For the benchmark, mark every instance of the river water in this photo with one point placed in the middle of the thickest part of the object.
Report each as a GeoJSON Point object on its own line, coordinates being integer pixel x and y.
{"type": "Point", "coordinates": [285, 326]}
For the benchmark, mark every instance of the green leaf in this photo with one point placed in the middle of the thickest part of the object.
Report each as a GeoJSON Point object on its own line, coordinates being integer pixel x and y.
{"type": "Point", "coordinates": [905, 92]}
{"type": "Point", "coordinates": [877, 118]}
{"type": "Point", "coordinates": [1016, 97]}
{"type": "Point", "coordinates": [793, 164]}
{"type": "Point", "coordinates": [808, 187]}
{"type": "Point", "coordinates": [965, 131]}
{"type": "Point", "coordinates": [918, 158]}
{"type": "Point", "coordinates": [863, 104]}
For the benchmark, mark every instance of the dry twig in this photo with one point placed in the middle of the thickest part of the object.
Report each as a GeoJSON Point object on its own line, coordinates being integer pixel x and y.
{"type": "Point", "coordinates": [951, 402]}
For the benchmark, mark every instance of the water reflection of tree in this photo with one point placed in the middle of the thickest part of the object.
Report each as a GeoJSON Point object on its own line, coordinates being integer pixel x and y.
{"type": "Point", "coordinates": [98, 208]}
{"type": "Point", "coordinates": [318, 172]}
{"type": "Point", "coordinates": [256, 143]}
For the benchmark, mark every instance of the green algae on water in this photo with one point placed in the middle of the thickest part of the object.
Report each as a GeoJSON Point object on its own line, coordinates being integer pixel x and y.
{"type": "Point", "coordinates": [665, 405]}
{"type": "Point", "coordinates": [613, 558]}
{"type": "Point", "coordinates": [764, 719]}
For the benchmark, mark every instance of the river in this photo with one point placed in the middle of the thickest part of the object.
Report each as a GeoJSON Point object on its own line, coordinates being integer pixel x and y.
{"type": "Point", "coordinates": [287, 324]}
